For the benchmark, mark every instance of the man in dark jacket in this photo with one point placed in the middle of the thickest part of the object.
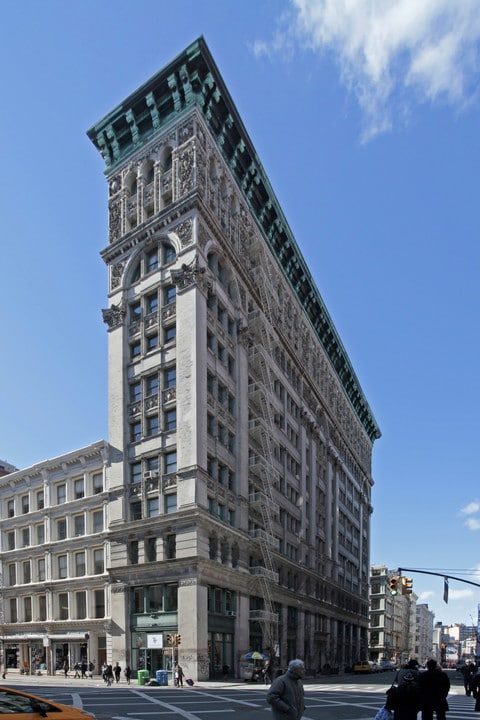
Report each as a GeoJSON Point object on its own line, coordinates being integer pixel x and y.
{"type": "Point", "coordinates": [286, 693]}
{"type": "Point", "coordinates": [434, 687]}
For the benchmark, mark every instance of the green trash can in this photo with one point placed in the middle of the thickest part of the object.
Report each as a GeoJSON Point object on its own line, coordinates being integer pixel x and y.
{"type": "Point", "coordinates": [143, 676]}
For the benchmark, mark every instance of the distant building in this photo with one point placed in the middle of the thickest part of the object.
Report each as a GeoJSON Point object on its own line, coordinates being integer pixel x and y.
{"type": "Point", "coordinates": [392, 625]}
{"type": "Point", "coordinates": [424, 632]}
{"type": "Point", "coordinates": [6, 468]}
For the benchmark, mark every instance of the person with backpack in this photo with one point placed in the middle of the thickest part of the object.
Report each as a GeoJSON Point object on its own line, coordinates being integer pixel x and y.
{"type": "Point", "coordinates": [434, 688]}
{"type": "Point", "coordinates": [403, 698]}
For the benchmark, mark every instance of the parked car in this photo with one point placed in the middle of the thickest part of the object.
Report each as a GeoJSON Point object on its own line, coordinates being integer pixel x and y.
{"type": "Point", "coordinates": [15, 703]}
{"type": "Point", "coordinates": [363, 667]}
{"type": "Point", "coordinates": [386, 665]}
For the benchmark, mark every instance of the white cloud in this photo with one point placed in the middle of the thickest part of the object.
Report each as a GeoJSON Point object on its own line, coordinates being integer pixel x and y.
{"type": "Point", "coordinates": [472, 523]}
{"type": "Point", "coordinates": [459, 594]}
{"type": "Point", "coordinates": [424, 596]}
{"type": "Point", "coordinates": [471, 508]}
{"type": "Point", "coordinates": [390, 53]}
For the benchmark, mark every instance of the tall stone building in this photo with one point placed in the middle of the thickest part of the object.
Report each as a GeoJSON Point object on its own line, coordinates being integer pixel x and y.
{"type": "Point", "coordinates": [237, 482]}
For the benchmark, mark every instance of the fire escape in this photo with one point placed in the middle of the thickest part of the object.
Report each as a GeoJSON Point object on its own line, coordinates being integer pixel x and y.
{"type": "Point", "coordinates": [262, 432]}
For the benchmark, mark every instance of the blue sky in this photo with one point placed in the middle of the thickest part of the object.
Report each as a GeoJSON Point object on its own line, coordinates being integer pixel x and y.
{"type": "Point", "coordinates": [366, 118]}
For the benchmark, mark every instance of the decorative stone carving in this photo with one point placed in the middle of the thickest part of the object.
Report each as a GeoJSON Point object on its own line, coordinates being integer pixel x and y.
{"type": "Point", "coordinates": [184, 231]}
{"type": "Point", "coordinates": [189, 275]}
{"type": "Point", "coordinates": [116, 274]}
{"type": "Point", "coordinates": [114, 316]}
{"type": "Point", "coordinates": [186, 169]}
{"type": "Point", "coordinates": [115, 220]}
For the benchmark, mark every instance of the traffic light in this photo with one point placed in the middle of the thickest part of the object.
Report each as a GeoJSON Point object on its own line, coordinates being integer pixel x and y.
{"type": "Point", "coordinates": [407, 586]}
{"type": "Point", "coordinates": [178, 639]}
{"type": "Point", "coordinates": [394, 585]}
{"type": "Point", "coordinates": [169, 639]}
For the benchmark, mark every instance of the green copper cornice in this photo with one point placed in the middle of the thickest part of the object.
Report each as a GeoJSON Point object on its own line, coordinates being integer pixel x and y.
{"type": "Point", "coordinates": [193, 79]}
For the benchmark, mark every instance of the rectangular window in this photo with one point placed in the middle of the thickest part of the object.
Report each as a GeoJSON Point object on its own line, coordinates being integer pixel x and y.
{"type": "Point", "coordinates": [41, 570]}
{"type": "Point", "coordinates": [99, 603]}
{"type": "Point", "coordinates": [170, 503]}
{"type": "Point", "coordinates": [155, 598]}
{"type": "Point", "coordinates": [97, 482]}
{"type": "Point", "coordinates": [168, 254]}
{"type": "Point", "coordinates": [80, 568]}
{"type": "Point", "coordinates": [135, 311]}
{"type": "Point", "coordinates": [170, 420]}
{"type": "Point", "coordinates": [135, 350]}
{"type": "Point", "coordinates": [79, 525]}
{"type": "Point", "coordinates": [81, 604]}
{"type": "Point", "coordinates": [151, 385]}
{"type": "Point", "coordinates": [25, 504]}
{"type": "Point", "coordinates": [133, 552]}
{"type": "Point", "coordinates": [13, 610]}
{"type": "Point", "coordinates": [135, 392]}
{"type": "Point", "coordinates": [10, 508]}
{"type": "Point", "coordinates": [169, 294]}
{"type": "Point", "coordinates": [79, 489]}
{"type": "Point", "coordinates": [61, 529]}
{"type": "Point", "coordinates": [138, 600]}
{"type": "Point", "coordinates": [62, 566]}
{"type": "Point", "coordinates": [98, 561]}
{"type": "Point", "coordinates": [171, 546]}
{"type": "Point", "coordinates": [152, 425]}
{"type": "Point", "coordinates": [169, 334]}
{"type": "Point", "coordinates": [61, 494]}
{"type": "Point", "coordinates": [12, 574]}
{"type": "Point", "coordinates": [25, 537]}
{"type": "Point", "coordinates": [27, 609]}
{"type": "Point", "coordinates": [153, 507]}
{"type": "Point", "coordinates": [63, 606]}
{"type": "Point", "coordinates": [151, 261]}
{"type": "Point", "coordinates": [11, 540]}
{"type": "Point", "coordinates": [169, 377]}
{"type": "Point", "coordinates": [171, 599]}
{"type": "Point", "coordinates": [42, 607]}
{"type": "Point", "coordinates": [152, 342]}
{"type": "Point", "coordinates": [136, 431]}
{"type": "Point", "coordinates": [136, 510]}
{"type": "Point", "coordinates": [40, 500]}
{"type": "Point", "coordinates": [170, 462]}
{"type": "Point", "coordinates": [135, 472]}
{"type": "Point", "coordinates": [97, 521]}
{"type": "Point", "coordinates": [151, 549]}
{"type": "Point", "coordinates": [152, 303]}
{"type": "Point", "coordinates": [27, 572]}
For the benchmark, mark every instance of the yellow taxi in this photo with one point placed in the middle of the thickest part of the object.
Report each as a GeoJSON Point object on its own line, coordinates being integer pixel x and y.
{"type": "Point", "coordinates": [16, 703]}
{"type": "Point", "coordinates": [364, 667]}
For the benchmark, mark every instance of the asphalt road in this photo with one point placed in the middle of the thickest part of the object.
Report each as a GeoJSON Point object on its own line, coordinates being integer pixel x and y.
{"type": "Point", "coordinates": [343, 698]}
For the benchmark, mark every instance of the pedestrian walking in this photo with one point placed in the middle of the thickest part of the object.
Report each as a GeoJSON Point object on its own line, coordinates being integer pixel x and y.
{"type": "Point", "coordinates": [178, 675]}
{"type": "Point", "coordinates": [434, 688]}
{"type": "Point", "coordinates": [266, 674]}
{"type": "Point", "coordinates": [286, 694]}
{"type": "Point", "coordinates": [108, 675]}
{"type": "Point", "coordinates": [468, 672]}
{"type": "Point", "coordinates": [128, 674]}
{"type": "Point", "coordinates": [66, 668]}
{"type": "Point", "coordinates": [117, 671]}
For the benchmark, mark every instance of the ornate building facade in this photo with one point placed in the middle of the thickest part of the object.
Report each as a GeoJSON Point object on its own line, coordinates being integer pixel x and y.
{"type": "Point", "coordinates": [240, 441]}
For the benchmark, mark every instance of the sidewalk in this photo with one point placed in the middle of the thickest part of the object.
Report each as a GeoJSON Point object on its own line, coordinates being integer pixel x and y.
{"type": "Point", "coordinates": [29, 682]}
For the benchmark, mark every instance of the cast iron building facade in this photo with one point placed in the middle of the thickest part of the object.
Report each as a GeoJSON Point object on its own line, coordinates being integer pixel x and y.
{"type": "Point", "coordinates": [238, 481]}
